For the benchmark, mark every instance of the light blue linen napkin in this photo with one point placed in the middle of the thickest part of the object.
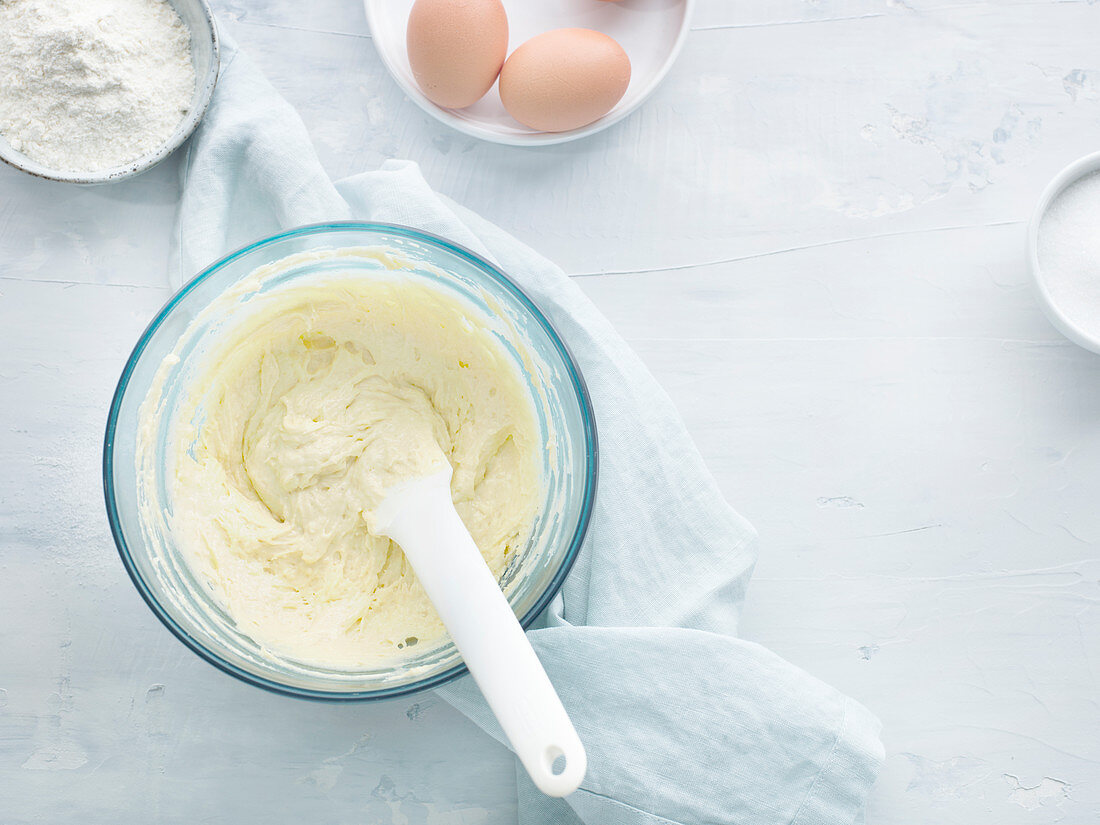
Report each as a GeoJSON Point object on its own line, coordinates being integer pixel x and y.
{"type": "Point", "coordinates": [683, 722]}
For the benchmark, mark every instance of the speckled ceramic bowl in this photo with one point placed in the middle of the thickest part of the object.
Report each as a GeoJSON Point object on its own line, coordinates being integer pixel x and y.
{"type": "Point", "coordinates": [198, 18]}
{"type": "Point", "coordinates": [163, 577]}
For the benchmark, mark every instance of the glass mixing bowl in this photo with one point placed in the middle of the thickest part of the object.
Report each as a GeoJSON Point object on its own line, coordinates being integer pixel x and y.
{"type": "Point", "coordinates": [163, 577]}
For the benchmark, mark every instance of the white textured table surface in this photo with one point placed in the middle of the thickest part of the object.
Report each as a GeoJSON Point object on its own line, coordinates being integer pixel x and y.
{"type": "Point", "coordinates": [813, 234]}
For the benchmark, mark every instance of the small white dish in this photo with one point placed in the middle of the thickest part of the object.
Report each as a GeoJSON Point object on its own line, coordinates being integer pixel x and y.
{"type": "Point", "coordinates": [198, 18]}
{"type": "Point", "coordinates": [652, 32]}
{"type": "Point", "coordinates": [1055, 312]}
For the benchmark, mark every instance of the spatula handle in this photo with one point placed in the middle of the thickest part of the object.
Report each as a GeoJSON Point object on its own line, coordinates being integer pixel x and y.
{"type": "Point", "coordinates": [487, 634]}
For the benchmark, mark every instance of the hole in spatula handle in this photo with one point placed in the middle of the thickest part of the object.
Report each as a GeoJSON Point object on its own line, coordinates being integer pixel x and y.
{"type": "Point", "coordinates": [555, 760]}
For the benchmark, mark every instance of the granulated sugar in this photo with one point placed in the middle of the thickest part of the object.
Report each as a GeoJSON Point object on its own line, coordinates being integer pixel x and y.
{"type": "Point", "coordinates": [87, 85]}
{"type": "Point", "coordinates": [1069, 252]}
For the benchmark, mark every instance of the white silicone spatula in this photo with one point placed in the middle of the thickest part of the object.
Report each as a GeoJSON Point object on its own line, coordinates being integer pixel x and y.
{"type": "Point", "coordinates": [420, 516]}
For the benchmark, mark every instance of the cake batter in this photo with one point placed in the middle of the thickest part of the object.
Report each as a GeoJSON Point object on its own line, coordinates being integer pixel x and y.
{"type": "Point", "coordinates": [326, 394]}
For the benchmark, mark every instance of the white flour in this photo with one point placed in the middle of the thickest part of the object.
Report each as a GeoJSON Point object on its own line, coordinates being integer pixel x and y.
{"type": "Point", "coordinates": [1069, 252]}
{"type": "Point", "coordinates": [87, 85]}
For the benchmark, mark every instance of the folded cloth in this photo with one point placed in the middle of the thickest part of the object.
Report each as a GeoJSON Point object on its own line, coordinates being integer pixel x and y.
{"type": "Point", "coordinates": [683, 722]}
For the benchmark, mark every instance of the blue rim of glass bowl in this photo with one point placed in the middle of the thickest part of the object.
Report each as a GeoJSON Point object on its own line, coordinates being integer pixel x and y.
{"type": "Point", "coordinates": [579, 387]}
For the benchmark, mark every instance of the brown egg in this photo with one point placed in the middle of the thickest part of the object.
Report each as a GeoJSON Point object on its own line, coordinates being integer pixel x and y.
{"type": "Point", "coordinates": [456, 48]}
{"type": "Point", "coordinates": [564, 79]}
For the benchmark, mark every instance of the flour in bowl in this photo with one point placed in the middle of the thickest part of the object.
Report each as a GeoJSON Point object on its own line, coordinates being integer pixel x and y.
{"type": "Point", "coordinates": [87, 85]}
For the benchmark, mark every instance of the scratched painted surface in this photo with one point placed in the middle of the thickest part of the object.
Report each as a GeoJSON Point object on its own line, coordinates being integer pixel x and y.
{"type": "Point", "coordinates": [813, 235]}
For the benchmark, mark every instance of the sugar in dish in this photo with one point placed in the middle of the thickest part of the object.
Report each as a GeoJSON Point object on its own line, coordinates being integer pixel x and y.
{"type": "Point", "coordinates": [1065, 251]}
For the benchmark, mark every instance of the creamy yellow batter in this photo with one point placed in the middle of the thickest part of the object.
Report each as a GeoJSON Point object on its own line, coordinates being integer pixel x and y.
{"type": "Point", "coordinates": [327, 393]}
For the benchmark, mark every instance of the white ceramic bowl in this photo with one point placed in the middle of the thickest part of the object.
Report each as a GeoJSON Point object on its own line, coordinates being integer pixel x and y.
{"type": "Point", "coordinates": [1087, 338]}
{"type": "Point", "coordinates": [651, 31]}
{"type": "Point", "coordinates": [198, 18]}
